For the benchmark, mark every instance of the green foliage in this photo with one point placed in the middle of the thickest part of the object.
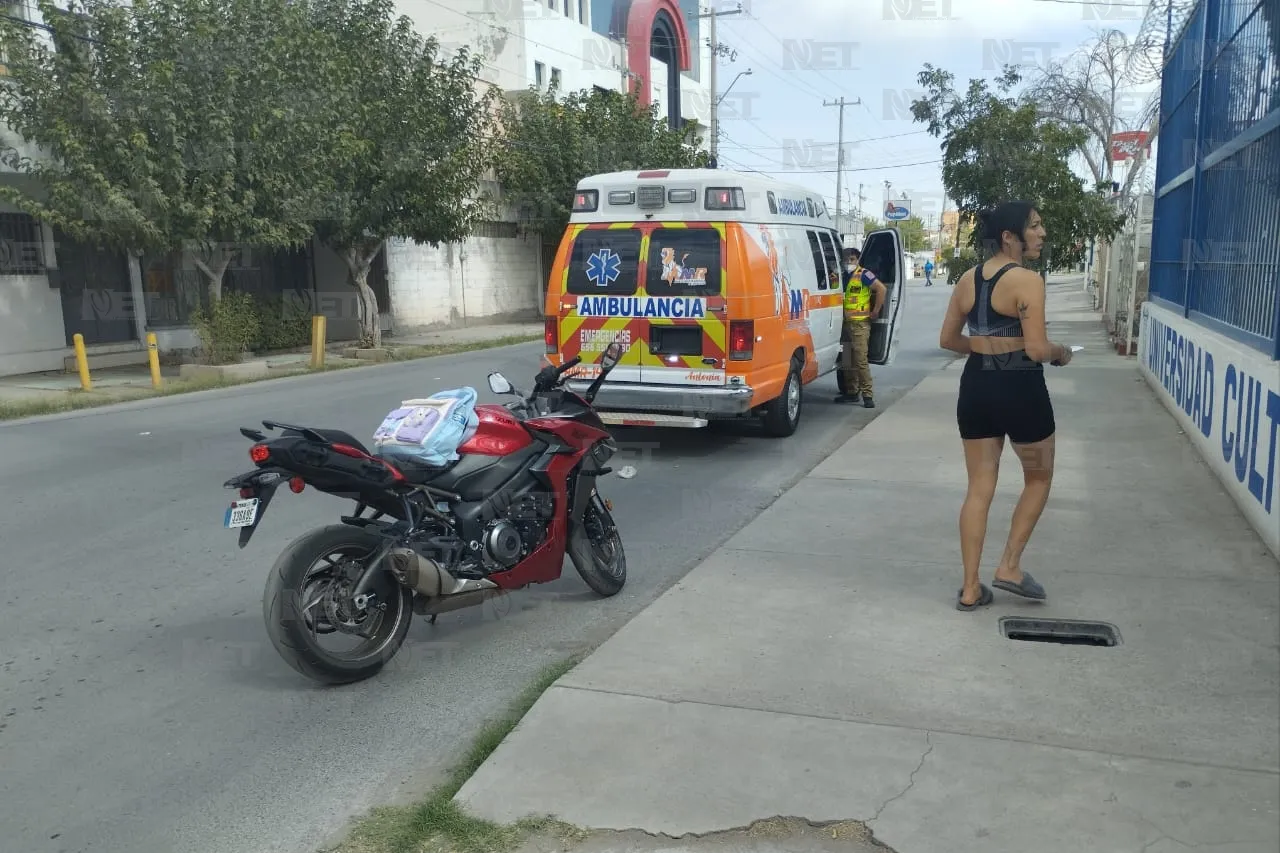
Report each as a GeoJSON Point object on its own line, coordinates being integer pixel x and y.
{"type": "Point", "coordinates": [957, 267]}
{"type": "Point", "coordinates": [911, 230]}
{"type": "Point", "coordinates": [551, 143]}
{"type": "Point", "coordinates": [283, 324]}
{"type": "Point", "coordinates": [228, 328]}
{"type": "Point", "coordinates": [409, 129]}
{"type": "Point", "coordinates": [166, 124]}
{"type": "Point", "coordinates": [995, 150]}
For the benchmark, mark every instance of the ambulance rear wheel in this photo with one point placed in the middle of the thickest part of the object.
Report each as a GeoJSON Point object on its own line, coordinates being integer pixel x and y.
{"type": "Point", "coordinates": [782, 416]}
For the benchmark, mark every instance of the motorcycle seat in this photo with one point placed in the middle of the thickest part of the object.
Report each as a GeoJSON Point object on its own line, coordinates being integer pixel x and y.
{"type": "Point", "coordinates": [418, 473]}
{"type": "Point", "coordinates": [337, 436]}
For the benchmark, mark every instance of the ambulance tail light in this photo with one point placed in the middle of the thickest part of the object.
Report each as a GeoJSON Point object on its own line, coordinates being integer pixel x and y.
{"type": "Point", "coordinates": [726, 198]}
{"type": "Point", "coordinates": [742, 339]}
{"type": "Point", "coordinates": [549, 328]}
{"type": "Point", "coordinates": [586, 201]}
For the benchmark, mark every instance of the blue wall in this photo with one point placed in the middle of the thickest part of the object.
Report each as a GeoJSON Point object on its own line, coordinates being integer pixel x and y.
{"type": "Point", "coordinates": [1215, 248]}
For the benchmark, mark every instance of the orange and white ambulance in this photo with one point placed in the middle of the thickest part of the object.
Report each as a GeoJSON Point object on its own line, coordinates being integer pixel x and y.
{"type": "Point", "coordinates": [725, 289]}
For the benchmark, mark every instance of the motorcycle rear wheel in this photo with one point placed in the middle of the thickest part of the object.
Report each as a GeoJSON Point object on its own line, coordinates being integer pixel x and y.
{"type": "Point", "coordinates": [295, 615]}
{"type": "Point", "coordinates": [596, 549]}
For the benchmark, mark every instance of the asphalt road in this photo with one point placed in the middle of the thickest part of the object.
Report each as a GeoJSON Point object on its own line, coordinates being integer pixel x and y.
{"type": "Point", "coordinates": [142, 709]}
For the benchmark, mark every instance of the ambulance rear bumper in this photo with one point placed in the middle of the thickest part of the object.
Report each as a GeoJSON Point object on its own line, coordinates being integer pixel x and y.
{"type": "Point", "coordinates": [724, 402]}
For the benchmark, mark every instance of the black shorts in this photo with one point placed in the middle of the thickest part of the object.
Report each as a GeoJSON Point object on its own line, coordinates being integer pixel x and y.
{"type": "Point", "coordinates": [1004, 395]}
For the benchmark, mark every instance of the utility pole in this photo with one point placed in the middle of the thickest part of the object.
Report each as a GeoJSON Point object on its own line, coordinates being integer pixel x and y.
{"type": "Point", "coordinates": [715, 61]}
{"type": "Point", "coordinates": [842, 103]}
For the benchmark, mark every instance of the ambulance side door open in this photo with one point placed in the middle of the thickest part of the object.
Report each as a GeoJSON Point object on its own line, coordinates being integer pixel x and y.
{"type": "Point", "coordinates": [882, 254]}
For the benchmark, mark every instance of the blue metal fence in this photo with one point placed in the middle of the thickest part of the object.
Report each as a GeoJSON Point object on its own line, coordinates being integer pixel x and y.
{"type": "Point", "coordinates": [1215, 248]}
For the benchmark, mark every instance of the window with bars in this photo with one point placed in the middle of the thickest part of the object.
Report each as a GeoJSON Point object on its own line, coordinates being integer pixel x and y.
{"type": "Point", "coordinates": [21, 245]}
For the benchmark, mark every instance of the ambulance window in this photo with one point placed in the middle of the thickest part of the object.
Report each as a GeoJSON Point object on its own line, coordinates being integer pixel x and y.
{"type": "Point", "coordinates": [604, 261]}
{"type": "Point", "coordinates": [818, 263]}
{"type": "Point", "coordinates": [683, 262]}
{"type": "Point", "coordinates": [773, 203]}
{"type": "Point", "coordinates": [832, 254]}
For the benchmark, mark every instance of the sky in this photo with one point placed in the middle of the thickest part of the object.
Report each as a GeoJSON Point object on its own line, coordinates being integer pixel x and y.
{"type": "Point", "coordinates": [803, 53]}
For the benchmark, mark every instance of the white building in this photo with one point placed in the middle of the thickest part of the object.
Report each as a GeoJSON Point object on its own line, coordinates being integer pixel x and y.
{"type": "Point", "coordinates": [500, 270]}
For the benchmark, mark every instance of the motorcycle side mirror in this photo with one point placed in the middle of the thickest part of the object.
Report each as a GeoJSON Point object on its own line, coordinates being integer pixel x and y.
{"type": "Point", "coordinates": [498, 384]}
{"type": "Point", "coordinates": [612, 355]}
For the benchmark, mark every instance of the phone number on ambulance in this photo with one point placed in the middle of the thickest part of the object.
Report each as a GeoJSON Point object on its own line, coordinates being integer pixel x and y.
{"type": "Point", "coordinates": [598, 340]}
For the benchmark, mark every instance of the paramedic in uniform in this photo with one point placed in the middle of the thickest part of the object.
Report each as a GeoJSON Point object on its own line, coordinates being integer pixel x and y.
{"type": "Point", "coordinates": [863, 299]}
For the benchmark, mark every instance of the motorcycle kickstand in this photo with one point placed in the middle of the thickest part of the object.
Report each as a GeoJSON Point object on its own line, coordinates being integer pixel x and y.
{"type": "Point", "coordinates": [432, 620]}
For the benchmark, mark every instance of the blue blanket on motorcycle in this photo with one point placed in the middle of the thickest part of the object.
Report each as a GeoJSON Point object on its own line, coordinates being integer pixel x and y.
{"type": "Point", "coordinates": [430, 430]}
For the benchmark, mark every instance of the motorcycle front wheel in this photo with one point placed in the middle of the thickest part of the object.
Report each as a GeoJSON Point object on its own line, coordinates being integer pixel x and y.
{"type": "Point", "coordinates": [308, 597]}
{"type": "Point", "coordinates": [596, 549]}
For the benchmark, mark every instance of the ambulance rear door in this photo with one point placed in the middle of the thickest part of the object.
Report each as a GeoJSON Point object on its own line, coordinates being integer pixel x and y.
{"type": "Point", "coordinates": [882, 254]}
{"type": "Point", "coordinates": [602, 278]}
{"type": "Point", "coordinates": [683, 309]}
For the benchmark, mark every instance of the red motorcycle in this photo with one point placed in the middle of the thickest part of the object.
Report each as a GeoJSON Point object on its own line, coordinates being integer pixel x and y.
{"type": "Point", "coordinates": [521, 496]}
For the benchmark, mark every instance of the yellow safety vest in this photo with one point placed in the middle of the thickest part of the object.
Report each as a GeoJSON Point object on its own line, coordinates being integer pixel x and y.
{"type": "Point", "coordinates": [857, 298]}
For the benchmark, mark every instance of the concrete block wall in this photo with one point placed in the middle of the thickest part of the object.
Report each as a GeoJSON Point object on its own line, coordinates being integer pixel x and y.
{"type": "Point", "coordinates": [483, 277]}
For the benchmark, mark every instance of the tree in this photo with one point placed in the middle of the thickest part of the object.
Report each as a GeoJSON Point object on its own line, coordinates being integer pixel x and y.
{"type": "Point", "coordinates": [165, 124]}
{"type": "Point", "coordinates": [995, 150]}
{"type": "Point", "coordinates": [911, 230]}
{"type": "Point", "coordinates": [408, 139]}
{"type": "Point", "coordinates": [550, 144]}
{"type": "Point", "coordinates": [1087, 90]}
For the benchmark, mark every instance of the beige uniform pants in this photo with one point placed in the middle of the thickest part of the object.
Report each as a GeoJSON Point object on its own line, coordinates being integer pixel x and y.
{"type": "Point", "coordinates": [856, 370]}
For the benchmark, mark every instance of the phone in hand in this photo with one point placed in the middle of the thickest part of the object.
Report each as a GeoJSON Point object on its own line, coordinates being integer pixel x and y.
{"type": "Point", "coordinates": [1074, 350]}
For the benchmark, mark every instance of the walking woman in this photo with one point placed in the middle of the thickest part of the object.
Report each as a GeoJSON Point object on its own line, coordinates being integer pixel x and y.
{"type": "Point", "coordinates": [1003, 391]}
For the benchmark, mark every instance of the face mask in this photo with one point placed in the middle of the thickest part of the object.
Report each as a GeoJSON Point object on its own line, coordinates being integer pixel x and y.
{"type": "Point", "coordinates": [849, 267]}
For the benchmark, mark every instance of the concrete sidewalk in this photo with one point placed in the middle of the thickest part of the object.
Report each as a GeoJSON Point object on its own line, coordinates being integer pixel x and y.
{"type": "Point", "coordinates": [805, 670]}
{"type": "Point", "coordinates": [114, 384]}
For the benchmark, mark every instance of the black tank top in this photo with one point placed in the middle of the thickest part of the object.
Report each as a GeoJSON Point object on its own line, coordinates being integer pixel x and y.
{"type": "Point", "coordinates": [984, 320]}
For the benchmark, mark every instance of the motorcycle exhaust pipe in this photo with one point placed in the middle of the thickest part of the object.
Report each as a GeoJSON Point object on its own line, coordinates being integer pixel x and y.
{"type": "Point", "coordinates": [429, 579]}
{"type": "Point", "coordinates": [458, 601]}
{"type": "Point", "coordinates": [421, 574]}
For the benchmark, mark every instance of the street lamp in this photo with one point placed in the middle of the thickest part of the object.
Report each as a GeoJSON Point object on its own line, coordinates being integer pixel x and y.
{"type": "Point", "coordinates": [730, 86]}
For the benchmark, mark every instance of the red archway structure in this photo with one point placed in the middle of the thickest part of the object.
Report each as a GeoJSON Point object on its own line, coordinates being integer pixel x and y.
{"type": "Point", "coordinates": [641, 17]}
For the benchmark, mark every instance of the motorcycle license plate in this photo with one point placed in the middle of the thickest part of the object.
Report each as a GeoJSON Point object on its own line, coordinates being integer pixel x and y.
{"type": "Point", "coordinates": [241, 514]}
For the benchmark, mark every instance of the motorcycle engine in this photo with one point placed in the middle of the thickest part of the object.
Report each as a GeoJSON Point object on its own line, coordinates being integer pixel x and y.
{"type": "Point", "coordinates": [502, 543]}
{"type": "Point", "coordinates": [508, 540]}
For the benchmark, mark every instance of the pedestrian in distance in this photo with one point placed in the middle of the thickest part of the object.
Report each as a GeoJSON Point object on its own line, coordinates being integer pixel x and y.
{"type": "Point", "coordinates": [928, 273]}
{"type": "Point", "coordinates": [864, 296]}
{"type": "Point", "coordinates": [1003, 391]}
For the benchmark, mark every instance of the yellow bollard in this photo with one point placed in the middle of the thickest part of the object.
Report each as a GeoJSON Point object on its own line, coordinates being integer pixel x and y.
{"type": "Point", "coordinates": [318, 323]}
{"type": "Point", "coordinates": [82, 362]}
{"type": "Point", "coordinates": [153, 358]}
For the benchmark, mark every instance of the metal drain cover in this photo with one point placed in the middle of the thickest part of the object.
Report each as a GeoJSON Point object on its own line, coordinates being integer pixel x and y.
{"type": "Point", "coordinates": [1067, 632]}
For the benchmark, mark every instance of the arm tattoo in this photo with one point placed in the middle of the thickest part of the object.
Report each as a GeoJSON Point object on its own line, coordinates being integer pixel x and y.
{"type": "Point", "coordinates": [1023, 310]}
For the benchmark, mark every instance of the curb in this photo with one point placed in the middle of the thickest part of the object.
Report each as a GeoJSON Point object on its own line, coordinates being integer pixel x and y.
{"type": "Point", "coordinates": [261, 386]}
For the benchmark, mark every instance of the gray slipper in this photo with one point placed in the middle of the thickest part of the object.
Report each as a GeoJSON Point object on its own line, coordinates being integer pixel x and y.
{"type": "Point", "coordinates": [1029, 588]}
{"type": "Point", "coordinates": [984, 598]}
